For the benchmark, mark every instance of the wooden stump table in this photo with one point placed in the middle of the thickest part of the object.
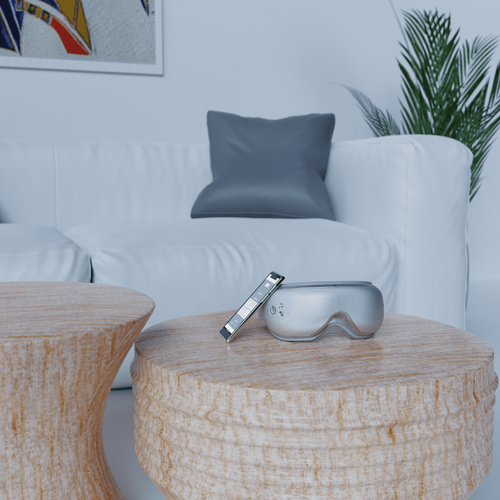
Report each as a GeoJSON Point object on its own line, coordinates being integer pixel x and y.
{"type": "Point", "coordinates": [61, 345]}
{"type": "Point", "coordinates": [407, 414]}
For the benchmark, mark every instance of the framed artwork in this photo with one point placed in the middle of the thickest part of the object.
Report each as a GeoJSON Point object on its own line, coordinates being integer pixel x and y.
{"type": "Point", "coordinates": [117, 36]}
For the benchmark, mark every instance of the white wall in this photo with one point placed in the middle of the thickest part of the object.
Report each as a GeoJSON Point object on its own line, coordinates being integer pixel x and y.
{"type": "Point", "coordinates": [269, 58]}
{"type": "Point", "coordinates": [260, 58]}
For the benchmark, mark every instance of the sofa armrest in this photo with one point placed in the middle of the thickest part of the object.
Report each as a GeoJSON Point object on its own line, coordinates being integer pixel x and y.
{"type": "Point", "coordinates": [413, 191]}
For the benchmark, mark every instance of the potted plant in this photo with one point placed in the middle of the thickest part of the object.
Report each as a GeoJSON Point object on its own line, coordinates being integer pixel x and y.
{"type": "Point", "coordinates": [446, 88]}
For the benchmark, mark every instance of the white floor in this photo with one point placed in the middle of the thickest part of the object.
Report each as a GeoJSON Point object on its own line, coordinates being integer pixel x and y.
{"type": "Point", "coordinates": [482, 320]}
{"type": "Point", "coordinates": [118, 436]}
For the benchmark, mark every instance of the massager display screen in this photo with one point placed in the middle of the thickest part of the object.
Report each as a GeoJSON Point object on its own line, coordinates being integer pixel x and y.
{"type": "Point", "coordinates": [266, 288]}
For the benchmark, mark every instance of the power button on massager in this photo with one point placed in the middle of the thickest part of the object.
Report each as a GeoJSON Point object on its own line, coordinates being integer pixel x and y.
{"type": "Point", "coordinates": [272, 310]}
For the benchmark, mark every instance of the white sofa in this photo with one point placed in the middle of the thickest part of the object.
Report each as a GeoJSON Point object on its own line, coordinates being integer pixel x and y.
{"type": "Point", "coordinates": [119, 213]}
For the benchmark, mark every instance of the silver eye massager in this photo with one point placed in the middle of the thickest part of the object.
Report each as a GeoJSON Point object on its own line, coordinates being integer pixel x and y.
{"type": "Point", "coordinates": [302, 311]}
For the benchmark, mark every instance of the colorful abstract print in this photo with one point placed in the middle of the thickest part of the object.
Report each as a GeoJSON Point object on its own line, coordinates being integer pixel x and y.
{"type": "Point", "coordinates": [66, 17]}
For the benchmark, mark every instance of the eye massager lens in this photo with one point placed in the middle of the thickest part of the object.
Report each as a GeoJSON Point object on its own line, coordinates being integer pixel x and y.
{"type": "Point", "coordinates": [300, 312]}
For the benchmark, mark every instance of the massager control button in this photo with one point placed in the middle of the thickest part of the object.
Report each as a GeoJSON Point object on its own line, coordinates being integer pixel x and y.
{"type": "Point", "coordinates": [272, 310]}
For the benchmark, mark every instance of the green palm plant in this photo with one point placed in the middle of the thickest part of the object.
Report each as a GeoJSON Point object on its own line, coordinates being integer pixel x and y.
{"type": "Point", "coordinates": [446, 87]}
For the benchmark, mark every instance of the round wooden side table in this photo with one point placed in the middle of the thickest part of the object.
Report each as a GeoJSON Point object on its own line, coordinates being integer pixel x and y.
{"type": "Point", "coordinates": [407, 414]}
{"type": "Point", "coordinates": [61, 345]}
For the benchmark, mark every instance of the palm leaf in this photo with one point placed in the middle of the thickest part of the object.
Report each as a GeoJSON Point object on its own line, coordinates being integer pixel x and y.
{"type": "Point", "coordinates": [380, 123]}
{"type": "Point", "coordinates": [446, 88]}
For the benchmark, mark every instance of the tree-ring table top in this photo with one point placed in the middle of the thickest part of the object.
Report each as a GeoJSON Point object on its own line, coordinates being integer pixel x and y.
{"type": "Point", "coordinates": [406, 350]}
{"type": "Point", "coordinates": [51, 309]}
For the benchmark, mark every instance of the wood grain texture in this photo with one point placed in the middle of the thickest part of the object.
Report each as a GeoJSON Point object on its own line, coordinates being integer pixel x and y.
{"type": "Point", "coordinates": [61, 345]}
{"type": "Point", "coordinates": [407, 414]}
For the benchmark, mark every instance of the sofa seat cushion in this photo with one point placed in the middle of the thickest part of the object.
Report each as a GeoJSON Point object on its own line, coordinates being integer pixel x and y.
{"type": "Point", "coordinates": [31, 252]}
{"type": "Point", "coordinates": [194, 266]}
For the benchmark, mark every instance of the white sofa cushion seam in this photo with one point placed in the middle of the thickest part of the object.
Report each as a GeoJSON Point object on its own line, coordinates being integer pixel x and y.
{"type": "Point", "coordinates": [75, 250]}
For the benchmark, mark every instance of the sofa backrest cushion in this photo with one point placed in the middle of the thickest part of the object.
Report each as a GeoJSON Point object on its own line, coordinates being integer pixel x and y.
{"type": "Point", "coordinates": [67, 184]}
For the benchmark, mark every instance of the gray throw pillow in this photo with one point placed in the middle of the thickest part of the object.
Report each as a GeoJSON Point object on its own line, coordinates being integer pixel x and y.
{"type": "Point", "coordinates": [267, 168]}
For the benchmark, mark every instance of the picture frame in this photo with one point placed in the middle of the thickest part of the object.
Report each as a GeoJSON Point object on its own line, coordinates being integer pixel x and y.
{"type": "Point", "coordinates": [83, 35]}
